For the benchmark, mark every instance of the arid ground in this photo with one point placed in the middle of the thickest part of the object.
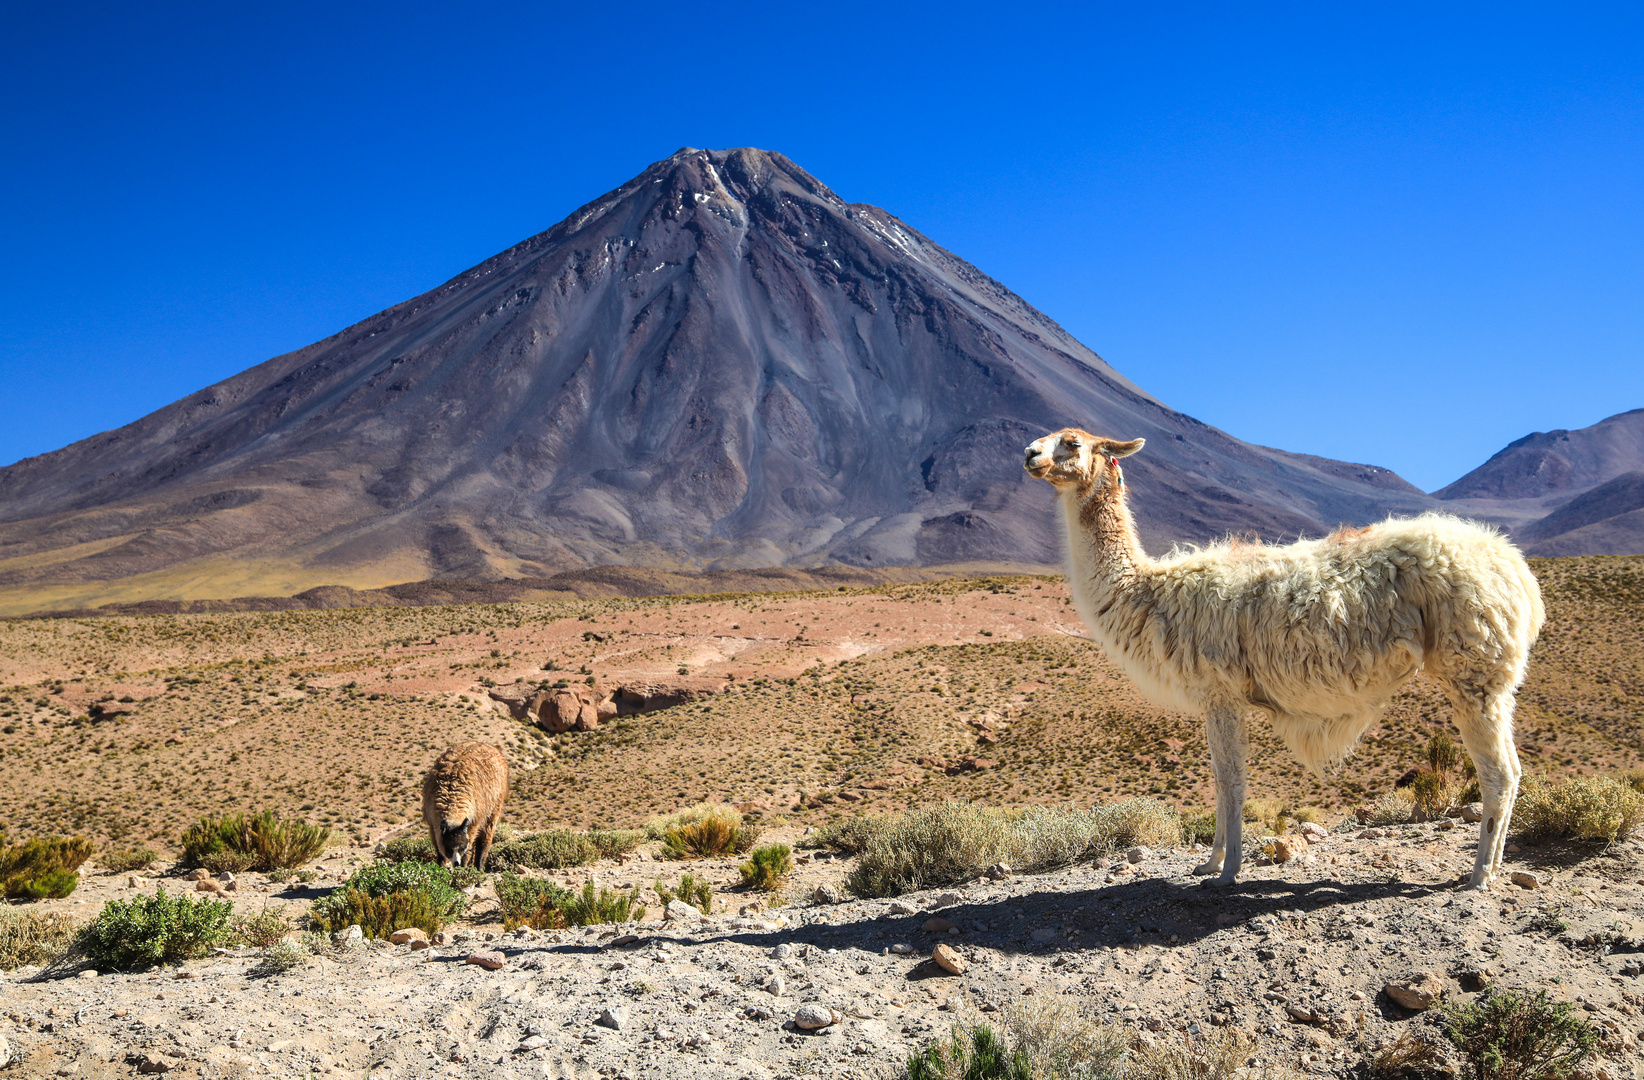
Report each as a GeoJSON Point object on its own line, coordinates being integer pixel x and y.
{"type": "Point", "coordinates": [851, 700]}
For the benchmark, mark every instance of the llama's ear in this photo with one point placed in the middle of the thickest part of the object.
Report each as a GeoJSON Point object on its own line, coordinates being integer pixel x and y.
{"type": "Point", "coordinates": [1124, 449]}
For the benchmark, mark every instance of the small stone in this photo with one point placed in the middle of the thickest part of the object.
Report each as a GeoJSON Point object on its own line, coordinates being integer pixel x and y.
{"type": "Point", "coordinates": [939, 926]}
{"type": "Point", "coordinates": [1473, 812]}
{"type": "Point", "coordinates": [680, 911]}
{"type": "Point", "coordinates": [1418, 992]}
{"type": "Point", "coordinates": [947, 899]}
{"type": "Point", "coordinates": [814, 1017]}
{"type": "Point", "coordinates": [1444, 825]}
{"type": "Point", "coordinates": [88, 973]}
{"type": "Point", "coordinates": [1138, 854]}
{"type": "Point", "coordinates": [825, 894]}
{"type": "Point", "coordinates": [1524, 879]}
{"type": "Point", "coordinates": [533, 1042]}
{"type": "Point", "coordinates": [490, 960]}
{"type": "Point", "coordinates": [902, 949]}
{"type": "Point", "coordinates": [1476, 979]}
{"type": "Point", "coordinates": [615, 1019]}
{"type": "Point", "coordinates": [902, 907]}
{"type": "Point", "coordinates": [1286, 848]}
{"type": "Point", "coordinates": [131, 882]}
{"type": "Point", "coordinates": [441, 938]}
{"type": "Point", "coordinates": [999, 871]}
{"type": "Point", "coordinates": [1044, 933]}
{"type": "Point", "coordinates": [948, 960]}
{"type": "Point", "coordinates": [207, 885]}
{"type": "Point", "coordinates": [154, 1063]}
{"type": "Point", "coordinates": [1313, 830]}
{"type": "Point", "coordinates": [1512, 849]}
{"type": "Point", "coordinates": [418, 943]}
{"type": "Point", "coordinates": [231, 886]}
{"type": "Point", "coordinates": [775, 985]}
{"type": "Point", "coordinates": [350, 937]}
{"type": "Point", "coordinates": [199, 873]}
{"type": "Point", "coordinates": [622, 941]}
{"type": "Point", "coordinates": [409, 935]}
{"type": "Point", "coordinates": [1370, 834]}
{"type": "Point", "coordinates": [782, 952]}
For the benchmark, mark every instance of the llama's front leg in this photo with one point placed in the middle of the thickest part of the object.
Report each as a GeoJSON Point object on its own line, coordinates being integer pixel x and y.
{"type": "Point", "coordinates": [1229, 749]}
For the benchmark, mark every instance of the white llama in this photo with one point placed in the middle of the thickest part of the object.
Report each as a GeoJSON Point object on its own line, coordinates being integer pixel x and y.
{"type": "Point", "coordinates": [1318, 634]}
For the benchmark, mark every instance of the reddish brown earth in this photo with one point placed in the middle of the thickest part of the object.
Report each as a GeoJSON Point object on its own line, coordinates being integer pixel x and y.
{"type": "Point", "coordinates": [853, 700]}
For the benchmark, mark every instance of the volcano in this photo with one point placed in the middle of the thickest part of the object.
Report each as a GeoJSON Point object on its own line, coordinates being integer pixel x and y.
{"type": "Point", "coordinates": [719, 365]}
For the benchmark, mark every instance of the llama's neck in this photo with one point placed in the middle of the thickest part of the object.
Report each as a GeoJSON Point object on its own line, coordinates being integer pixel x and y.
{"type": "Point", "coordinates": [1107, 557]}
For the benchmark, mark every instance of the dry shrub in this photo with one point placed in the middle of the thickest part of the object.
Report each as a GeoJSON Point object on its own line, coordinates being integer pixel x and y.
{"type": "Point", "coordinates": [262, 930]}
{"type": "Point", "coordinates": [1633, 778]}
{"type": "Point", "coordinates": [235, 842]}
{"type": "Point", "coordinates": [1396, 807]}
{"type": "Point", "coordinates": [1577, 808]}
{"type": "Point", "coordinates": [1198, 827]}
{"type": "Point", "coordinates": [125, 860]}
{"type": "Point", "coordinates": [1216, 1054]}
{"type": "Point", "coordinates": [31, 938]}
{"type": "Point", "coordinates": [955, 842]}
{"type": "Point", "coordinates": [1411, 1056]}
{"type": "Point", "coordinates": [1057, 1041]}
{"type": "Point", "coordinates": [849, 836]}
{"type": "Point", "coordinates": [717, 831]}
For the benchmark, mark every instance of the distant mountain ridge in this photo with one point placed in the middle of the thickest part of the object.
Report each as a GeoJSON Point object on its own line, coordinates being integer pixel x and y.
{"type": "Point", "coordinates": [719, 365]}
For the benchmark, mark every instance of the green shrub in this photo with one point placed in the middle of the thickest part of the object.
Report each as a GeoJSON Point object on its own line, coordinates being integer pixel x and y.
{"type": "Point", "coordinates": [532, 902]}
{"type": "Point", "coordinates": [158, 929]}
{"type": "Point", "coordinates": [1577, 808]}
{"type": "Point", "coordinates": [125, 860]}
{"type": "Point", "coordinates": [1507, 1037]}
{"type": "Point", "coordinates": [1447, 758]}
{"type": "Point", "coordinates": [552, 849]}
{"type": "Point", "coordinates": [720, 831]}
{"type": "Point", "coordinates": [385, 897]}
{"type": "Point", "coordinates": [976, 1055]}
{"type": "Point", "coordinates": [957, 842]}
{"type": "Point", "coordinates": [264, 841]}
{"type": "Point", "coordinates": [694, 891]}
{"type": "Point", "coordinates": [416, 847]}
{"type": "Point", "coordinates": [591, 908]}
{"type": "Point", "coordinates": [767, 866]}
{"type": "Point", "coordinates": [1198, 827]}
{"type": "Point", "coordinates": [42, 868]}
{"type": "Point", "coordinates": [28, 937]}
{"type": "Point", "coordinates": [263, 929]}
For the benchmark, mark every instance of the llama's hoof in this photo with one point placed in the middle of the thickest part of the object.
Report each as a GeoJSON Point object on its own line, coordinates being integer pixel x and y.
{"type": "Point", "coordinates": [1208, 868]}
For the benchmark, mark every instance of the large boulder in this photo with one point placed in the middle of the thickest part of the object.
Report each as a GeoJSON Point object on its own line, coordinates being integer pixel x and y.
{"type": "Point", "coordinates": [569, 708]}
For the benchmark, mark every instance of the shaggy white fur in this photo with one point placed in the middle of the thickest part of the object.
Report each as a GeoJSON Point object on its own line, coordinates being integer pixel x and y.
{"type": "Point", "coordinates": [1317, 634]}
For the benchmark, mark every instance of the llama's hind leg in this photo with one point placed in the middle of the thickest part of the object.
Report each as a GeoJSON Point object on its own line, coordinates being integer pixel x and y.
{"type": "Point", "coordinates": [1229, 749]}
{"type": "Point", "coordinates": [1486, 722]}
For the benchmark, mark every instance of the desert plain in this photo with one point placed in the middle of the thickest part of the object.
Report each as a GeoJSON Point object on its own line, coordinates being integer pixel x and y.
{"type": "Point", "coordinates": [809, 707]}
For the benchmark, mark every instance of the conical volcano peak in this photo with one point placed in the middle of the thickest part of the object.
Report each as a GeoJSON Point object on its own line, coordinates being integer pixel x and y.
{"type": "Point", "coordinates": [719, 363]}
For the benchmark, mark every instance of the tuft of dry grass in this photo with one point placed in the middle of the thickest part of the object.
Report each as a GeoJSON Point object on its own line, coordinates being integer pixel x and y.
{"type": "Point", "coordinates": [1411, 1056]}
{"type": "Point", "coordinates": [1396, 807]}
{"type": "Point", "coordinates": [1216, 1054]}
{"type": "Point", "coordinates": [703, 832]}
{"type": "Point", "coordinates": [955, 842]}
{"type": "Point", "coordinates": [32, 938]}
{"type": "Point", "coordinates": [1057, 1041]}
{"type": "Point", "coordinates": [1577, 808]}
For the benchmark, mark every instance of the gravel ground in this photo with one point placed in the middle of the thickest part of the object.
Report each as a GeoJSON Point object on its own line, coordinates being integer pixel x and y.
{"type": "Point", "coordinates": [1299, 956]}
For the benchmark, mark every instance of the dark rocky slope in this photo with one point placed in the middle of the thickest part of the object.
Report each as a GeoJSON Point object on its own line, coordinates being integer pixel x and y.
{"type": "Point", "coordinates": [720, 364]}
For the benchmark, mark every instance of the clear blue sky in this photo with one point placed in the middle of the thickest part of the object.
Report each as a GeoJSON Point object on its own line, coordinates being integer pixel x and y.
{"type": "Point", "coordinates": [1396, 234]}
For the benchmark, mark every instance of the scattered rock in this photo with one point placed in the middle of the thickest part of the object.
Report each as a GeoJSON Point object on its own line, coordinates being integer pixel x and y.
{"type": "Point", "coordinates": [776, 985]}
{"type": "Point", "coordinates": [409, 935]}
{"type": "Point", "coordinates": [1044, 933]}
{"type": "Point", "coordinates": [902, 907]}
{"type": "Point", "coordinates": [1286, 848]}
{"type": "Point", "coordinates": [533, 1042]}
{"type": "Point", "coordinates": [1313, 830]}
{"type": "Point", "coordinates": [815, 1017]}
{"type": "Point", "coordinates": [1524, 879]}
{"type": "Point", "coordinates": [207, 885]}
{"type": "Point", "coordinates": [615, 1019]}
{"type": "Point", "coordinates": [901, 949]}
{"type": "Point", "coordinates": [999, 871]}
{"type": "Point", "coordinates": [349, 938]}
{"type": "Point", "coordinates": [947, 899]}
{"type": "Point", "coordinates": [153, 1063]}
{"type": "Point", "coordinates": [1477, 979]}
{"type": "Point", "coordinates": [1138, 854]}
{"type": "Point", "coordinates": [622, 941]}
{"type": "Point", "coordinates": [199, 873]}
{"type": "Point", "coordinates": [783, 951]}
{"type": "Point", "coordinates": [490, 960]}
{"type": "Point", "coordinates": [680, 911]}
{"type": "Point", "coordinates": [948, 960]}
{"type": "Point", "coordinates": [826, 894]}
{"type": "Point", "coordinates": [418, 943]}
{"type": "Point", "coordinates": [1473, 812]}
{"type": "Point", "coordinates": [441, 938]}
{"type": "Point", "coordinates": [939, 926]}
{"type": "Point", "coordinates": [1418, 992]}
